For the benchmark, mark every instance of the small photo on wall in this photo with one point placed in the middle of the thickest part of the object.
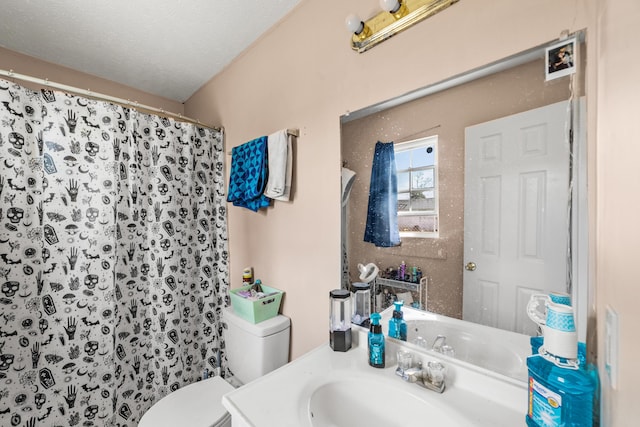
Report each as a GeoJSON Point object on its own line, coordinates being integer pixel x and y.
{"type": "Point", "coordinates": [561, 59]}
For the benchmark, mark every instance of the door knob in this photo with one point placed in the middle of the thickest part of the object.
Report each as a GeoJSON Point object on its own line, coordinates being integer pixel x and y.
{"type": "Point", "coordinates": [471, 266]}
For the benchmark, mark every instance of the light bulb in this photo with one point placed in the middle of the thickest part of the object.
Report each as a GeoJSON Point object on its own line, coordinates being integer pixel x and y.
{"type": "Point", "coordinates": [390, 5]}
{"type": "Point", "coordinates": [354, 24]}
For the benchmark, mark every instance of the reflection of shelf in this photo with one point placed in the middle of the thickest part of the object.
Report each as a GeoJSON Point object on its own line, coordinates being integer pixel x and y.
{"type": "Point", "coordinates": [398, 284]}
{"type": "Point", "coordinates": [418, 289]}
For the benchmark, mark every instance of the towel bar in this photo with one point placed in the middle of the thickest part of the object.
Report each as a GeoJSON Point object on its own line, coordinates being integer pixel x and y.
{"type": "Point", "coordinates": [292, 132]}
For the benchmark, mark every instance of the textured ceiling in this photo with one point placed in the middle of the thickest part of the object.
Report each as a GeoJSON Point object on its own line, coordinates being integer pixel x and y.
{"type": "Point", "coordinates": [168, 48]}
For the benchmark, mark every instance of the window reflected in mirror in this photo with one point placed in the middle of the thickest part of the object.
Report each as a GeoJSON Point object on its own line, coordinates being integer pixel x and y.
{"type": "Point", "coordinates": [416, 165]}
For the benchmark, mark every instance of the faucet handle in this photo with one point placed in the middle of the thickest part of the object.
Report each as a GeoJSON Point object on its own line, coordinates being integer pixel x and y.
{"type": "Point", "coordinates": [436, 371]}
{"type": "Point", "coordinates": [405, 359]}
{"type": "Point", "coordinates": [420, 342]}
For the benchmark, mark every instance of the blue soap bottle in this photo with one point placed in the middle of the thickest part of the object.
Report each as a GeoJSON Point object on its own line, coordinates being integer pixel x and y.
{"type": "Point", "coordinates": [558, 395]}
{"type": "Point", "coordinates": [397, 325]}
{"type": "Point", "coordinates": [376, 342]}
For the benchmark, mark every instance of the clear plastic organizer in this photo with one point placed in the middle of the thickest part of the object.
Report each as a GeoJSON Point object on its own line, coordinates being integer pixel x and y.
{"type": "Point", "coordinates": [256, 311]}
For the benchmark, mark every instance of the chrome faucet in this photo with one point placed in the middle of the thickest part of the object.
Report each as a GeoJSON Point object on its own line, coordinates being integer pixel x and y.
{"type": "Point", "coordinates": [431, 377]}
{"type": "Point", "coordinates": [440, 345]}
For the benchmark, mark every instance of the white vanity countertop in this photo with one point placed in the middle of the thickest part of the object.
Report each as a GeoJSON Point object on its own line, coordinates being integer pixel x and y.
{"type": "Point", "coordinates": [282, 398]}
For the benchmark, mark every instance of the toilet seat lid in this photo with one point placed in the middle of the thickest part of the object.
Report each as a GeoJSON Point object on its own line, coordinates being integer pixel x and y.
{"type": "Point", "coordinates": [196, 405]}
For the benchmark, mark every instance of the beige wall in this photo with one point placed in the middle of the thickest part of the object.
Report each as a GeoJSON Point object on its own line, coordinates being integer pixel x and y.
{"type": "Point", "coordinates": [617, 152]}
{"type": "Point", "coordinates": [445, 114]}
{"type": "Point", "coordinates": [304, 74]}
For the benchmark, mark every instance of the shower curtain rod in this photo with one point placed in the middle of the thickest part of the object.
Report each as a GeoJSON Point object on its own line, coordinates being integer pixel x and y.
{"type": "Point", "coordinates": [104, 97]}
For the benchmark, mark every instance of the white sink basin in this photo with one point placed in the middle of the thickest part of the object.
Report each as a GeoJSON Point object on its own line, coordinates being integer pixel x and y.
{"type": "Point", "coordinates": [368, 402]}
{"type": "Point", "coordinates": [324, 388]}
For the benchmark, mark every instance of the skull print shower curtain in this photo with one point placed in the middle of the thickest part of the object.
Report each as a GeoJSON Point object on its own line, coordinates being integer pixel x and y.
{"type": "Point", "coordinates": [113, 259]}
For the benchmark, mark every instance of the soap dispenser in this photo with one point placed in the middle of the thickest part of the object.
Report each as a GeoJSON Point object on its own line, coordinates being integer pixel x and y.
{"type": "Point", "coordinates": [361, 304]}
{"type": "Point", "coordinates": [340, 320]}
{"type": "Point", "coordinates": [397, 325]}
{"type": "Point", "coordinates": [376, 342]}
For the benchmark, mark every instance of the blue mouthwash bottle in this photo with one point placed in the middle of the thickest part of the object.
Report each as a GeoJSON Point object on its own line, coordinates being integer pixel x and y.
{"type": "Point", "coordinates": [589, 368]}
{"type": "Point", "coordinates": [376, 342]}
{"type": "Point", "coordinates": [397, 325]}
{"type": "Point", "coordinates": [560, 393]}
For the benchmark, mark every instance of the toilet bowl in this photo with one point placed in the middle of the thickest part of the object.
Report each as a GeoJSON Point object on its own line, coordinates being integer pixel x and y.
{"type": "Point", "coordinates": [253, 350]}
{"type": "Point", "coordinates": [196, 405]}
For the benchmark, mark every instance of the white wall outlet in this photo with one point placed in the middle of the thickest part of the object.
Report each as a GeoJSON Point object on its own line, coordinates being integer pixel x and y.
{"type": "Point", "coordinates": [611, 334]}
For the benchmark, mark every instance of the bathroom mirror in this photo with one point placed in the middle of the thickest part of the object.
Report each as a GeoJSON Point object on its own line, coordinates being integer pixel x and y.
{"type": "Point", "coordinates": [510, 230]}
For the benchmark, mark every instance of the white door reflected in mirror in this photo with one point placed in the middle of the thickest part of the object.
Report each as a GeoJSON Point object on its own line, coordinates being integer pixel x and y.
{"type": "Point", "coordinates": [516, 197]}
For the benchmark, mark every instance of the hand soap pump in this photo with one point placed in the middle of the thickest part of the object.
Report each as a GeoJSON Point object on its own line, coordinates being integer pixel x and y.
{"type": "Point", "coordinates": [397, 325]}
{"type": "Point", "coordinates": [376, 342]}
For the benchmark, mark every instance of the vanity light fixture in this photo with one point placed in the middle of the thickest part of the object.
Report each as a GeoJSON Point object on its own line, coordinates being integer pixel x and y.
{"type": "Point", "coordinates": [397, 15]}
{"type": "Point", "coordinates": [398, 8]}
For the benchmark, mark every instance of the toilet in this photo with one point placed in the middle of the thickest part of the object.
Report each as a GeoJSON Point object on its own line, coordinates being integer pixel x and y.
{"type": "Point", "coordinates": [253, 350]}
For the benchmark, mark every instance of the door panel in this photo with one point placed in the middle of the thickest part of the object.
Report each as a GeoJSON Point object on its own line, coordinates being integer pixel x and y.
{"type": "Point", "coordinates": [516, 201]}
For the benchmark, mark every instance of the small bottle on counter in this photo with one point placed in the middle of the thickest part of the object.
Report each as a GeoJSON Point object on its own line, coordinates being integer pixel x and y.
{"type": "Point", "coordinates": [247, 276]}
{"type": "Point", "coordinates": [397, 325]}
{"type": "Point", "coordinates": [376, 342]}
{"type": "Point", "coordinates": [402, 271]}
{"type": "Point", "coordinates": [414, 274]}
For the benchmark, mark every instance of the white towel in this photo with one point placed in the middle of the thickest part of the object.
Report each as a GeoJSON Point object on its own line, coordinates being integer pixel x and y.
{"type": "Point", "coordinates": [280, 165]}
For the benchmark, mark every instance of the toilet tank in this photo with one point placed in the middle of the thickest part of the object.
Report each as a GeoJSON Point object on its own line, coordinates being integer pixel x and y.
{"type": "Point", "coordinates": [254, 350]}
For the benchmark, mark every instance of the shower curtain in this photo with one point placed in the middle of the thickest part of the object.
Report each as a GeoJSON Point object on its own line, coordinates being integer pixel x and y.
{"type": "Point", "coordinates": [113, 259]}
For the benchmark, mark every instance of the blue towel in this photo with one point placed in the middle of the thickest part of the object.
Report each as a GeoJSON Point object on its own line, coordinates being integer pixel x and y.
{"type": "Point", "coordinates": [382, 214]}
{"type": "Point", "coordinates": [248, 175]}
